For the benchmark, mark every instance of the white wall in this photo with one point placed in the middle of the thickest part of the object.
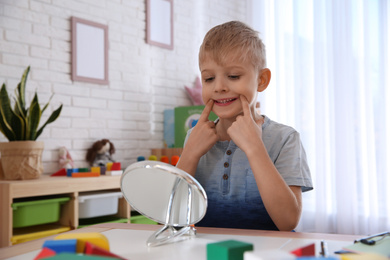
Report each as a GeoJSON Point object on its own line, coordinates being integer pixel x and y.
{"type": "Point", "coordinates": [143, 79]}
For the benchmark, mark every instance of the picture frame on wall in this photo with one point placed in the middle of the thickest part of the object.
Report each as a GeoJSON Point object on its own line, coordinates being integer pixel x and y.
{"type": "Point", "coordinates": [89, 51]}
{"type": "Point", "coordinates": [159, 23]}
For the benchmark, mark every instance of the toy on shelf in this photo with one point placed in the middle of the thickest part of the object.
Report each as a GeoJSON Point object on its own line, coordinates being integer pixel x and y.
{"type": "Point", "coordinates": [110, 169]}
{"type": "Point", "coordinates": [195, 93]}
{"type": "Point", "coordinates": [100, 153]}
{"type": "Point", "coordinates": [65, 159]}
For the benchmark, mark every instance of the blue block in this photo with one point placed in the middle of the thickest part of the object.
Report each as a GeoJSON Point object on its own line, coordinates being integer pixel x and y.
{"type": "Point", "coordinates": [70, 171]}
{"type": "Point", "coordinates": [59, 246]}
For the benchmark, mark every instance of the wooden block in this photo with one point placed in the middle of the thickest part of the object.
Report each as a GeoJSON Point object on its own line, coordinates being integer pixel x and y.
{"type": "Point", "coordinates": [91, 249]}
{"type": "Point", "coordinates": [95, 238]}
{"type": "Point", "coordinates": [45, 252]}
{"type": "Point", "coordinates": [108, 166]}
{"type": "Point", "coordinates": [309, 250]}
{"type": "Point", "coordinates": [164, 159]}
{"type": "Point", "coordinates": [85, 174]}
{"type": "Point", "coordinates": [61, 172]}
{"type": "Point", "coordinates": [95, 169]}
{"type": "Point", "coordinates": [228, 250]}
{"type": "Point", "coordinates": [116, 166]}
{"type": "Point", "coordinates": [60, 246]}
{"type": "Point", "coordinates": [67, 256]}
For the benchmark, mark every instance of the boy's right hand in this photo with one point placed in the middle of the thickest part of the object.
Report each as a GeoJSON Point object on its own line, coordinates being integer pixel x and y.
{"type": "Point", "coordinates": [203, 135]}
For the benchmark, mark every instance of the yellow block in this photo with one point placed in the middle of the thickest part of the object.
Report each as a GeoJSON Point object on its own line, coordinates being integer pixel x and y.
{"type": "Point", "coordinates": [109, 166]}
{"type": "Point", "coordinates": [363, 256]}
{"type": "Point", "coordinates": [95, 238]}
{"type": "Point", "coordinates": [95, 169]}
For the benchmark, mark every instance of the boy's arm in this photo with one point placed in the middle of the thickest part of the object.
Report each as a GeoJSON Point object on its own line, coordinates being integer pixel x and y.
{"type": "Point", "coordinates": [283, 203]}
{"type": "Point", "coordinates": [202, 138]}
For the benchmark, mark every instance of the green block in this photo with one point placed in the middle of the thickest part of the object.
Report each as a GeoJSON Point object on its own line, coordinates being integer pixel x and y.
{"type": "Point", "coordinates": [228, 250]}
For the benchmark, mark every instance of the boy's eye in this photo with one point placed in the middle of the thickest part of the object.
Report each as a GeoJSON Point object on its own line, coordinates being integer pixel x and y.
{"type": "Point", "coordinates": [234, 76]}
{"type": "Point", "coordinates": [209, 79]}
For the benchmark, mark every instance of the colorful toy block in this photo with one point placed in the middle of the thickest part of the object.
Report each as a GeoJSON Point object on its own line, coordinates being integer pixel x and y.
{"type": "Point", "coordinates": [140, 158]}
{"type": "Point", "coordinates": [164, 159]}
{"type": "Point", "coordinates": [91, 249]}
{"type": "Point", "coordinates": [309, 250]}
{"type": "Point", "coordinates": [175, 160]}
{"type": "Point", "coordinates": [96, 169]}
{"type": "Point", "coordinates": [109, 166]}
{"type": "Point", "coordinates": [152, 158]}
{"type": "Point", "coordinates": [61, 172]}
{"type": "Point", "coordinates": [67, 256]}
{"type": "Point", "coordinates": [44, 253]}
{"type": "Point", "coordinates": [60, 246]}
{"type": "Point", "coordinates": [94, 238]}
{"type": "Point", "coordinates": [85, 174]}
{"type": "Point", "coordinates": [228, 250]}
{"type": "Point", "coordinates": [116, 166]}
{"type": "Point", "coordinates": [113, 173]}
{"type": "Point", "coordinates": [70, 171]}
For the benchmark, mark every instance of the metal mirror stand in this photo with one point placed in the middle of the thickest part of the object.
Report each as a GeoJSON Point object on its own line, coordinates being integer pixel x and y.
{"type": "Point", "coordinates": [170, 233]}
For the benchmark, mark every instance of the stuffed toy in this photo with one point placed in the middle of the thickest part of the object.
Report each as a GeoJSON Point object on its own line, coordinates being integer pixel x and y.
{"type": "Point", "coordinates": [100, 153]}
{"type": "Point", "coordinates": [65, 160]}
{"type": "Point", "coordinates": [195, 93]}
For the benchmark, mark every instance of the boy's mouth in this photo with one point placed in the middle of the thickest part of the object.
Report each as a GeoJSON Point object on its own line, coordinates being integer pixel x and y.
{"type": "Point", "coordinates": [224, 102]}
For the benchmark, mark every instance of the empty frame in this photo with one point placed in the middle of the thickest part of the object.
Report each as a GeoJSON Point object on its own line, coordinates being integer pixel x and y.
{"type": "Point", "coordinates": [159, 23]}
{"type": "Point", "coordinates": [89, 51]}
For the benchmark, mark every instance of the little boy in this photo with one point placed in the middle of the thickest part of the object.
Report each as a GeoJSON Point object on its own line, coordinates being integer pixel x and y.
{"type": "Point", "coordinates": [252, 168]}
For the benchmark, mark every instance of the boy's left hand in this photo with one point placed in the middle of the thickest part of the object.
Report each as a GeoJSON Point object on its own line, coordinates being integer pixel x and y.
{"type": "Point", "coordinates": [245, 132]}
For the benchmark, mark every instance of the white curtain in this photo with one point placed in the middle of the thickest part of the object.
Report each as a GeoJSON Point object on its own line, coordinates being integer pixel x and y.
{"type": "Point", "coordinates": [331, 81]}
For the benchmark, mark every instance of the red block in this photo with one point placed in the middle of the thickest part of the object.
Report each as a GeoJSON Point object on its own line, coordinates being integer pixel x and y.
{"type": "Point", "coordinates": [116, 166]}
{"type": "Point", "coordinates": [309, 250]}
{"type": "Point", "coordinates": [45, 252]}
{"type": "Point", "coordinates": [61, 172]}
{"type": "Point", "coordinates": [91, 249]}
{"type": "Point", "coordinates": [174, 160]}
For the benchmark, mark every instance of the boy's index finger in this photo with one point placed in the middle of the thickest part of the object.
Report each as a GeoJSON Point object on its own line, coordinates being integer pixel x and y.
{"type": "Point", "coordinates": [206, 111]}
{"type": "Point", "coordinates": [245, 106]}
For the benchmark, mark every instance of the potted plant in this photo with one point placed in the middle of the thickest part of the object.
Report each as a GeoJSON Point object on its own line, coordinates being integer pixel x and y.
{"type": "Point", "coordinates": [21, 157]}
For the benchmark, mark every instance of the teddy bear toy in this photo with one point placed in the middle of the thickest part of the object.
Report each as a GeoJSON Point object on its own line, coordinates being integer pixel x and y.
{"type": "Point", "coordinates": [100, 153]}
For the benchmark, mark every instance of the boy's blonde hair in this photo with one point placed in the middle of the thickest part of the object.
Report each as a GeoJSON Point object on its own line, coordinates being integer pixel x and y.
{"type": "Point", "coordinates": [233, 38]}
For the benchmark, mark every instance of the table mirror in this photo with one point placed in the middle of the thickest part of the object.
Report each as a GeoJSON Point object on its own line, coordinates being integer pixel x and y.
{"type": "Point", "coordinates": [167, 195]}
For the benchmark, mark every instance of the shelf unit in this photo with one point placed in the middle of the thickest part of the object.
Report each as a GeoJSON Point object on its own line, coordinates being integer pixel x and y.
{"type": "Point", "coordinates": [45, 186]}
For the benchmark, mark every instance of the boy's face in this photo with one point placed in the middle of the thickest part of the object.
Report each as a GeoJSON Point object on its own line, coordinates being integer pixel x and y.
{"type": "Point", "coordinates": [224, 83]}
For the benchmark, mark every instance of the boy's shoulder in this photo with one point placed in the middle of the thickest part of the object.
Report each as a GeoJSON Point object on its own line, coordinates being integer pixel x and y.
{"type": "Point", "coordinates": [275, 128]}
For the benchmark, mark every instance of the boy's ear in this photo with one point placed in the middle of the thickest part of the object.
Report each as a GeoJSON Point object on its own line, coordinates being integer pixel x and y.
{"type": "Point", "coordinates": [264, 79]}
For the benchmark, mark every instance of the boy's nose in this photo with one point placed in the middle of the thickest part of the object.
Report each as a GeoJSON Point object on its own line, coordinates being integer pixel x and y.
{"type": "Point", "coordinates": [220, 86]}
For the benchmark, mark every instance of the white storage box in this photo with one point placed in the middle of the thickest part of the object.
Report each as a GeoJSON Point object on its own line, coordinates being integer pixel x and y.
{"type": "Point", "coordinates": [96, 204]}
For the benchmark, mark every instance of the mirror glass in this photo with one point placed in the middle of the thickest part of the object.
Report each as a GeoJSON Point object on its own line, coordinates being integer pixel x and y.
{"type": "Point", "coordinates": [164, 193]}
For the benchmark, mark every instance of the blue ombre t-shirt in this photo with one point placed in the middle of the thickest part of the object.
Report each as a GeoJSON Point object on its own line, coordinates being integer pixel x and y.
{"type": "Point", "coordinates": [224, 172]}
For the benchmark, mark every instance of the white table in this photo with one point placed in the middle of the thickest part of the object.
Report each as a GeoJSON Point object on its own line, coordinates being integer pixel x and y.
{"type": "Point", "coordinates": [129, 241]}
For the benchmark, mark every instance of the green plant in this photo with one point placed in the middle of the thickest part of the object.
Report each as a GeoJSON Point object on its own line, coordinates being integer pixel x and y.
{"type": "Point", "coordinates": [21, 123]}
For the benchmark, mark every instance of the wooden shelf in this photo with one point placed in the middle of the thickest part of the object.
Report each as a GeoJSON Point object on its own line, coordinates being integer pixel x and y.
{"type": "Point", "coordinates": [46, 185]}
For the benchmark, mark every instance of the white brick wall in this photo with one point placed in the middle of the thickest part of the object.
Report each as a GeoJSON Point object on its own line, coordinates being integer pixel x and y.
{"type": "Point", "coordinates": [144, 79]}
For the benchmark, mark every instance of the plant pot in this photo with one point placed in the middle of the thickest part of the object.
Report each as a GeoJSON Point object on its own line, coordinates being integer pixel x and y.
{"type": "Point", "coordinates": [21, 160]}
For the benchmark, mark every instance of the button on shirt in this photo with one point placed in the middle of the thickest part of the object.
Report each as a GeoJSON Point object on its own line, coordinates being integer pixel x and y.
{"type": "Point", "coordinates": [224, 172]}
